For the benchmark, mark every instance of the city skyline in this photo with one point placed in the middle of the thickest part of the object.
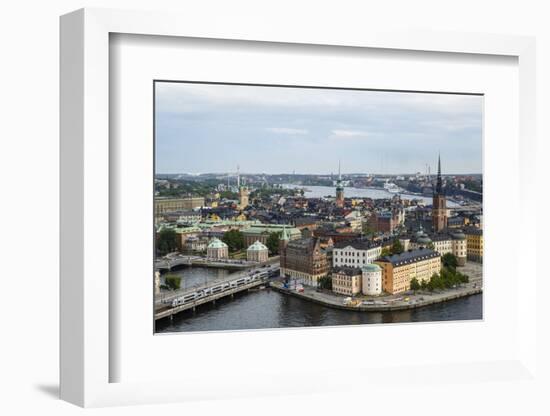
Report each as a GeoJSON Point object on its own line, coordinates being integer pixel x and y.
{"type": "Point", "coordinates": [274, 130]}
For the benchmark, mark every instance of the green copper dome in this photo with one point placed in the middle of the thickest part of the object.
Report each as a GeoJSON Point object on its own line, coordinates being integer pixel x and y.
{"type": "Point", "coordinates": [216, 243]}
{"type": "Point", "coordinates": [257, 246]}
{"type": "Point", "coordinates": [370, 268]}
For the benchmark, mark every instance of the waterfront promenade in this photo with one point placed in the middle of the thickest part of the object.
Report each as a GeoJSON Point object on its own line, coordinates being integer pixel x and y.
{"type": "Point", "coordinates": [402, 301]}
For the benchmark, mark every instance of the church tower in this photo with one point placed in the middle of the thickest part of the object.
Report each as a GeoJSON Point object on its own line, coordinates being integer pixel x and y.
{"type": "Point", "coordinates": [283, 243]}
{"type": "Point", "coordinates": [339, 189]}
{"type": "Point", "coordinates": [439, 206]}
{"type": "Point", "coordinates": [243, 191]}
{"type": "Point", "coordinates": [243, 197]}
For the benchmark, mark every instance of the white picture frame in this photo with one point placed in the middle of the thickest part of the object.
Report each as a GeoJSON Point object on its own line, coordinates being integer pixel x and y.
{"type": "Point", "coordinates": [85, 353]}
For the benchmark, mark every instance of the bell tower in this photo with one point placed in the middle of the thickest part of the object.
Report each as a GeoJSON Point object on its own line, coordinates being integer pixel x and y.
{"type": "Point", "coordinates": [439, 206]}
{"type": "Point", "coordinates": [339, 189]}
{"type": "Point", "coordinates": [243, 191]}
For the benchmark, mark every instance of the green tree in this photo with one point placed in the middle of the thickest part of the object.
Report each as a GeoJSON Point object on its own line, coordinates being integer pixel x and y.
{"type": "Point", "coordinates": [325, 282]}
{"type": "Point", "coordinates": [397, 247]}
{"type": "Point", "coordinates": [272, 242]}
{"type": "Point", "coordinates": [167, 241]}
{"type": "Point", "coordinates": [434, 283]}
{"type": "Point", "coordinates": [234, 240]}
{"type": "Point", "coordinates": [385, 252]}
{"type": "Point", "coordinates": [449, 260]}
{"type": "Point", "coordinates": [172, 281]}
{"type": "Point", "coordinates": [430, 245]}
{"type": "Point", "coordinates": [415, 285]}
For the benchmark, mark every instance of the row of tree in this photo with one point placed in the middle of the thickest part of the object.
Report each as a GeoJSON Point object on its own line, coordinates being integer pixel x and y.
{"type": "Point", "coordinates": [167, 241]}
{"type": "Point", "coordinates": [235, 241]}
{"type": "Point", "coordinates": [445, 279]}
{"type": "Point", "coordinates": [325, 282]}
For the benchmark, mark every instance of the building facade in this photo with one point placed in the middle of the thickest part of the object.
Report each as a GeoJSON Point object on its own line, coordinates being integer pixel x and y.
{"type": "Point", "coordinates": [261, 232]}
{"type": "Point", "coordinates": [459, 246]}
{"type": "Point", "coordinates": [166, 205]}
{"type": "Point", "coordinates": [196, 244]}
{"type": "Point", "coordinates": [371, 283]}
{"type": "Point", "coordinates": [346, 281]}
{"type": "Point", "coordinates": [454, 243]}
{"type": "Point", "coordinates": [243, 197]}
{"type": "Point", "coordinates": [183, 217]}
{"type": "Point", "coordinates": [355, 253]}
{"type": "Point", "coordinates": [217, 249]}
{"type": "Point", "coordinates": [474, 245]}
{"type": "Point", "coordinates": [303, 260]}
{"type": "Point", "coordinates": [399, 269]}
{"type": "Point", "coordinates": [386, 221]}
{"type": "Point", "coordinates": [257, 252]}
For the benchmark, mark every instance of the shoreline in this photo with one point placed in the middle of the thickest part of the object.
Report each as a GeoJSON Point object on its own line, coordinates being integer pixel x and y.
{"type": "Point", "coordinates": [398, 306]}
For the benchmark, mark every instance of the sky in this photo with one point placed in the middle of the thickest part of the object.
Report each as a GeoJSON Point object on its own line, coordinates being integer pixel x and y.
{"type": "Point", "coordinates": [205, 128]}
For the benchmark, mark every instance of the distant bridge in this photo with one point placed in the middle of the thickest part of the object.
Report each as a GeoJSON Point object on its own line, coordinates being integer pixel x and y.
{"type": "Point", "coordinates": [169, 263]}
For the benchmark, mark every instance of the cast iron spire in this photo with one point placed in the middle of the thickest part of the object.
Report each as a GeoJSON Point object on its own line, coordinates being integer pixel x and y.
{"type": "Point", "coordinates": [439, 184]}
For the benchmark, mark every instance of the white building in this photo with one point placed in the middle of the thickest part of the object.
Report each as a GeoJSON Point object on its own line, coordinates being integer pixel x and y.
{"type": "Point", "coordinates": [355, 253]}
{"type": "Point", "coordinates": [355, 221]}
{"type": "Point", "coordinates": [257, 252]}
{"type": "Point", "coordinates": [372, 280]}
{"type": "Point", "coordinates": [217, 249]}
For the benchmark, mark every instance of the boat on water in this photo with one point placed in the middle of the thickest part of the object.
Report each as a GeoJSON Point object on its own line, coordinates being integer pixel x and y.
{"type": "Point", "coordinates": [391, 187]}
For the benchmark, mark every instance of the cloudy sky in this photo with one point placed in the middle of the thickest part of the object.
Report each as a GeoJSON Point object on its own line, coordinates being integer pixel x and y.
{"type": "Point", "coordinates": [213, 128]}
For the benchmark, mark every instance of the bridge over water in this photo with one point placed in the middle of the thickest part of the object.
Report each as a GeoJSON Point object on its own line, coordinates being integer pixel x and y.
{"type": "Point", "coordinates": [164, 307]}
{"type": "Point", "coordinates": [181, 260]}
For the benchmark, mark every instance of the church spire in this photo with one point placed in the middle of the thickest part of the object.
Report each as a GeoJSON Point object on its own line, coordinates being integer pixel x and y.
{"type": "Point", "coordinates": [439, 184]}
{"type": "Point", "coordinates": [339, 172]}
{"type": "Point", "coordinates": [284, 235]}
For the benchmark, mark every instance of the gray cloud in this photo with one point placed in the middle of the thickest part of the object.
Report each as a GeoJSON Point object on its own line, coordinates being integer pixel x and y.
{"type": "Point", "coordinates": [272, 129]}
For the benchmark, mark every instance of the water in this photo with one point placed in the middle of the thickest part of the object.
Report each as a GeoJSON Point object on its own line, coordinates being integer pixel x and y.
{"type": "Point", "coordinates": [197, 276]}
{"type": "Point", "coordinates": [270, 309]}
{"type": "Point", "coordinates": [322, 191]}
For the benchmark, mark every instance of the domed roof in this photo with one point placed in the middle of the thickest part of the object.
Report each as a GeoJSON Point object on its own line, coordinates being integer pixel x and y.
{"type": "Point", "coordinates": [424, 239]}
{"type": "Point", "coordinates": [257, 246]}
{"type": "Point", "coordinates": [216, 243]}
{"type": "Point", "coordinates": [458, 235]}
{"type": "Point", "coordinates": [420, 232]}
{"type": "Point", "coordinates": [372, 267]}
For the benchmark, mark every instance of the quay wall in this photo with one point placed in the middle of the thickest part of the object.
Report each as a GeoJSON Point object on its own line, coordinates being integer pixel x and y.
{"type": "Point", "coordinates": [379, 308]}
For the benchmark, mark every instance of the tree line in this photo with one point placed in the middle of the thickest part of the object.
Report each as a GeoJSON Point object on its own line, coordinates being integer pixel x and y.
{"type": "Point", "coordinates": [447, 278]}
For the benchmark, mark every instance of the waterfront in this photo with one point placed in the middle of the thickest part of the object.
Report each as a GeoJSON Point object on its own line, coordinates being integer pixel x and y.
{"type": "Point", "coordinates": [269, 309]}
{"type": "Point", "coordinates": [374, 193]}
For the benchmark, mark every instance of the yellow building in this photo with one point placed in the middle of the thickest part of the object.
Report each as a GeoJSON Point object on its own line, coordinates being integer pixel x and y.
{"type": "Point", "coordinates": [243, 197]}
{"type": "Point", "coordinates": [240, 217]}
{"type": "Point", "coordinates": [474, 248]}
{"type": "Point", "coordinates": [398, 270]}
{"type": "Point", "coordinates": [346, 280]}
{"type": "Point", "coordinates": [164, 205]}
{"type": "Point", "coordinates": [214, 217]}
